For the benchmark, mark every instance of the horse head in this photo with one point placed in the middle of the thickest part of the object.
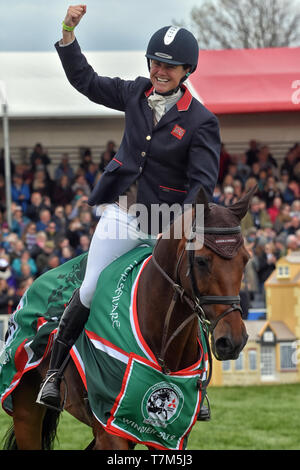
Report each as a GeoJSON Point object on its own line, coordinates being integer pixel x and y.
{"type": "Point", "coordinates": [213, 271]}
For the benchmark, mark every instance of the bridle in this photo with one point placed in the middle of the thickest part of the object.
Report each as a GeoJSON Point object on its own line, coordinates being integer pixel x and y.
{"type": "Point", "coordinates": [197, 300]}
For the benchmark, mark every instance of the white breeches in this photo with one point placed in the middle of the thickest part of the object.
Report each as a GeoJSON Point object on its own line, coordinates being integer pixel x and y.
{"type": "Point", "coordinates": [115, 235]}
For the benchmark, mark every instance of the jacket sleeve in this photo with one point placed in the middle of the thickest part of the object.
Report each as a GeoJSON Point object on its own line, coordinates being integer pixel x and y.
{"type": "Point", "coordinates": [110, 92]}
{"type": "Point", "coordinates": [204, 158]}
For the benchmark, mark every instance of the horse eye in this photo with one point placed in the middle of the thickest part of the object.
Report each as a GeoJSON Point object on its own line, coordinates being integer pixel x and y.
{"type": "Point", "coordinates": [202, 262]}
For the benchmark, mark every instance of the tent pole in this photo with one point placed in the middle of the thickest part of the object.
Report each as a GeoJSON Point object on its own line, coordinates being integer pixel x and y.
{"type": "Point", "coordinates": [7, 163]}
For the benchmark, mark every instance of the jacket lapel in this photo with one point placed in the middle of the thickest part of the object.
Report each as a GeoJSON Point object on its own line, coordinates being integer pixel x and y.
{"type": "Point", "coordinates": [174, 113]}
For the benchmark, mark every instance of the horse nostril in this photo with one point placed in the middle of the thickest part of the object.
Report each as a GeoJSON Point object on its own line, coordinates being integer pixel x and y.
{"type": "Point", "coordinates": [223, 345]}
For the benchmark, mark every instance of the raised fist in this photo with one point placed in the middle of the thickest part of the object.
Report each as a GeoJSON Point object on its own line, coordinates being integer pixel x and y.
{"type": "Point", "coordinates": [74, 15]}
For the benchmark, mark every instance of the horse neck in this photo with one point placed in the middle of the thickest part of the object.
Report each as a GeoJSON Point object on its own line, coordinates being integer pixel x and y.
{"type": "Point", "coordinates": [154, 297]}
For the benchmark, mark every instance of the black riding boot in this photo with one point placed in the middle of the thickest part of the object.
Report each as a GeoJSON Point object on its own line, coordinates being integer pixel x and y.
{"type": "Point", "coordinates": [70, 327]}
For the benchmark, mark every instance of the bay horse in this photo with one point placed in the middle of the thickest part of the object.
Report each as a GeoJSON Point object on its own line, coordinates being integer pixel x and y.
{"type": "Point", "coordinates": [177, 288]}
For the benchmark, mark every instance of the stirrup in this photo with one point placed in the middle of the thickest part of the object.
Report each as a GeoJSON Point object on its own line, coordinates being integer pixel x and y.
{"type": "Point", "coordinates": [39, 399]}
{"type": "Point", "coordinates": [204, 413]}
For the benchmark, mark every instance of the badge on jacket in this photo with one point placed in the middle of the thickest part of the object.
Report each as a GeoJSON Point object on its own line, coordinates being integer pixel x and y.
{"type": "Point", "coordinates": [178, 131]}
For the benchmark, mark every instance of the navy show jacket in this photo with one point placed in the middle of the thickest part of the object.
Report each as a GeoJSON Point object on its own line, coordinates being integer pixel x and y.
{"type": "Point", "coordinates": [169, 161]}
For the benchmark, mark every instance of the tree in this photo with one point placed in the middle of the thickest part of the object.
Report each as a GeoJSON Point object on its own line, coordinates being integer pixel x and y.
{"type": "Point", "coordinates": [244, 24]}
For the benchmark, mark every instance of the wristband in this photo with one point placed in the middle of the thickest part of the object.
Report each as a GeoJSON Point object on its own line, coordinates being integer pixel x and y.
{"type": "Point", "coordinates": [67, 28]}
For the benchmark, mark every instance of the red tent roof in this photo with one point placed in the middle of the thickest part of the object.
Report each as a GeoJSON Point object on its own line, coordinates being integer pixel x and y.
{"type": "Point", "coordinates": [248, 80]}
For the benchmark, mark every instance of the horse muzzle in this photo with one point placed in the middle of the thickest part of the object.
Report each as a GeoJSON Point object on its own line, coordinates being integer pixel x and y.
{"type": "Point", "coordinates": [226, 347]}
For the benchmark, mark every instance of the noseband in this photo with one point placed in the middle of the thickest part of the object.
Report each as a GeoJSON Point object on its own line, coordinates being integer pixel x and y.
{"type": "Point", "coordinates": [197, 300]}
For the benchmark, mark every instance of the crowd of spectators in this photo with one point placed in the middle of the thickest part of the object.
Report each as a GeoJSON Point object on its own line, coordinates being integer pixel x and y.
{"type": "Point", "coordinates": [52, 222]}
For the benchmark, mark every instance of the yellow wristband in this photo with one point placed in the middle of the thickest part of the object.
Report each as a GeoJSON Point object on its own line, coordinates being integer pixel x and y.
{"type": "Point", "coordinates": [67, 28]}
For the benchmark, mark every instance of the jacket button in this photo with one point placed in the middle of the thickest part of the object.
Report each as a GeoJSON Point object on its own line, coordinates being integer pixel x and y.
{"type": "Point", "coordinates": [148, 137]}
{"type": "Point", "coordinates": [143, 154]}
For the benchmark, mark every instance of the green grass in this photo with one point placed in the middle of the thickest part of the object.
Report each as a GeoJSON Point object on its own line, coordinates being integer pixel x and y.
{"type": "Point", "coordinates": [260, 418]}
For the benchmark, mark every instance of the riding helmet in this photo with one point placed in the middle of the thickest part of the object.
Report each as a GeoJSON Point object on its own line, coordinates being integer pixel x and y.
{"type": "Point", "coordinates": [173, 45]}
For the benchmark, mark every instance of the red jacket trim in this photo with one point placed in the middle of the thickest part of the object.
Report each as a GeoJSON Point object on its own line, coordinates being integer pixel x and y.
{"type": "Point", "coordinates": [183, 104]}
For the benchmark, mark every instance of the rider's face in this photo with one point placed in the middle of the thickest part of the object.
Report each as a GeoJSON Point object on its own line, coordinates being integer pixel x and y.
{"type": "Point", "coordinates": [165, 77]}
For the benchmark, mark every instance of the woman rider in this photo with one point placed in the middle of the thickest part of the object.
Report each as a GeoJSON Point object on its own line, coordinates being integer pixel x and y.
{"type": "Point", "coordinates": [170, 148]}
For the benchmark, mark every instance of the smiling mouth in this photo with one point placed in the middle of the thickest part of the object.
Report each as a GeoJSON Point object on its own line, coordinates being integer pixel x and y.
{"type": "Point", "coordinates": [162, 80]}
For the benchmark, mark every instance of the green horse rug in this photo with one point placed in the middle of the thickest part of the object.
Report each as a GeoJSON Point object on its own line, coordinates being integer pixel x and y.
{"type": "Point", "coordinates": [127, 391]}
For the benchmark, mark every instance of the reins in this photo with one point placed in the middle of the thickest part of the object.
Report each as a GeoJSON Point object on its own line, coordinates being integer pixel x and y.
{"type": "Point", "coordinates": [195, 303]}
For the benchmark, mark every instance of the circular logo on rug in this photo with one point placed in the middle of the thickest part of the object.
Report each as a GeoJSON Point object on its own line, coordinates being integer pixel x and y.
{"type": "Point", "coordinates": [162, 404]}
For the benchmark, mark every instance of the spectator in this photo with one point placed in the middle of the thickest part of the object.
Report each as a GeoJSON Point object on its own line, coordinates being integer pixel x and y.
{"type": "Point", "coordinates": [63, 193]}
{"type": "Point", "coordinates": [44, 219]}
{"type": "Point", "coordinates": [91, 174]}
{"type": "Point", "coordinates": [67, 253]}
{"type": "Point", "coordinates": [39, 159]}
{"type": "Point", "coordinates": [19, 221]}
{"type": "Point", "coordinates": [228, 198]}
{"type": "Point", "coordinates": [256, 216]}
{"type": "Point", "coordinates": [41, 183]}
{"type": "Point", "coordinates": [274, 210]}
{"type": "Point", "coordinates": [292, 192]}
{"type": "Point", "coordinates": [74, 231]}
{"type": "Point", "coordinates": [225, 159]}
{"type": "Point", "coordinates": [217, 194]}
{"type": "Point", "coordinates": [243, 170]}
{"type": "Point", "coordinates": [107, 155]}
{"type": "Point", "coordinates": [6, 272]}
{"type": "Point", "coordinates": [86, 160]}
{"type": "Point", "coordinates": [250, 183]}
{"type": "Point", "coordinates": [266, 160]}
{"type": "Point", "coordinates": [82, 184]}
{"type": "Point", "coordinates": [52, 262]}
{"type": "Point", "coordinates": [266, 263]}
{"type": "Point", "coordinates": [24, 259]}
{"type": "Point", "coordinates": [270, 191]}
{"type": "Point", "coordinates": [29, 235]}
{"type": "Point", "coordinates": [283, 181]}
{"type": "Point", "coordinates": [35, 206]}
{"type": "Point", "coordinates": [59, 218]}
{"type": "Point", "coordinates": [8, 298]}
{"type": "Point", "coordinates": [295, 208]}
{"type": "Point", "coordinates": [283, 219]}
{"type": "Point", "coordinates": [20, 192]}
{"type": "Point", "coordinates": [24, 284]}
{"type": "Point", "coordinates": [238, 189]}
{"type": "Point", "coordinates": [39, 246]}
{"type": "Point", "coordinates": [292, 243]}
{"type": "Point", "coordinates": [298, 237]}
{"type": "Point", "coordinates": [64, 169]}
{"type": "Point", "coordinates": [84, 244]}
{"type": "Point", "coordinates": [43, 258]}
{"type": "Point", "coordinates": [85, 218]}
{"type": "Point", "coordinates": [17, 249]}
{"type": "Point", "coordinates": [291, 160]}
{"type": "Point", "coordinates": [252, 152]}
{"type": "Point", "coordinates": [293, 225]}
{"type": "Point", "coordinates": [51, 231]}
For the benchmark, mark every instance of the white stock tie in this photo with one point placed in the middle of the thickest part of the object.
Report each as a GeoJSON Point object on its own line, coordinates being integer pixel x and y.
{"type": "Point", "coordinates": [161, 104]}
{"type": "Point", "coordinates": [158, 104]}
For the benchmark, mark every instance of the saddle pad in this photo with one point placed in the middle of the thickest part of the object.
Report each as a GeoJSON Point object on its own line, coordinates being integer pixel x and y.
{"type": "Point", "coordinates": [110, 355]}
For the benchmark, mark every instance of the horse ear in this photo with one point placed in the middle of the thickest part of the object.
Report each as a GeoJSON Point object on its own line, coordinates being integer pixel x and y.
{"type": "Point", "coordinates": [240, 208]}
{"type": "Point", "coordinates": [202, 199]}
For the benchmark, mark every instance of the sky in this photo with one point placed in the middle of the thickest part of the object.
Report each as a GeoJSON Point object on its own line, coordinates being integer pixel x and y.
{"type": "Point", "coordinates": [35, 25]}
